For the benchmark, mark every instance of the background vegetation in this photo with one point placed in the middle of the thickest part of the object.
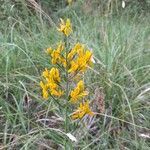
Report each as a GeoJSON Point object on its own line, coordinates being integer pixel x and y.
{"type": "Point", "coordinates": [119, 38]}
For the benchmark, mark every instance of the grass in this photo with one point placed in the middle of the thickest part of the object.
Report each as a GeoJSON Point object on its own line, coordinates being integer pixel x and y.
{"type": "Point", "coordinates": [121, 51]}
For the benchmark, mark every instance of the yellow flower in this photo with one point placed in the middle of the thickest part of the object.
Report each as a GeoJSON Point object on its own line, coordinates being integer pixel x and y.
{"type": "Point", "coordinates": [44, 90]}
{"type": "Point", "coordinates": [82, 61]}
{"type": "Point", "coordinates": [49, 50]}
{"type": "Point", "coordinates": [69, 2]}
{"type": "Point", "coordinates": [52, 79]}
{"type": "Point", "coordinates": [63, 61]}
{"type": "Point", "coordinates": [65, 27]}
{"type": "Point", "coordinates": [56, 92]}
{"type": "Point", "coordinates": [78, 92]}
{"type": "Point", "coordinates": [80, 49]}
{"type": "Point", "coordinates": [54, 75]}
{"type": "Point", "coordinates": [82, 110]}
{"type": "Point", "coordinates": [88, 57]}
{"type": "Point", "coordinates": [56, 54]}
{"type": "Point", "coordinates": [74, 51]}
{"type": "Point", "coordinates": [45, 73]}
{"type": "Point", "coordinates": [74, 67]}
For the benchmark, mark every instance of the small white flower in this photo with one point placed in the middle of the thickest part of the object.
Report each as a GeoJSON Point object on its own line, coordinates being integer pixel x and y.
{"type": "Point", "coordinates": [93, 60]}
{"type": "Point", "coordinates": [123, 4]}
{"type": "Point", "coordinates": [71, 137]}
{"type": "Point", "coordinates": [145, 135]}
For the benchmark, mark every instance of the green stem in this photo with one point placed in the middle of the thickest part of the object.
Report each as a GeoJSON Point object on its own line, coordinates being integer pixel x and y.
{"type": "Point", "coordinates": [67, 92]}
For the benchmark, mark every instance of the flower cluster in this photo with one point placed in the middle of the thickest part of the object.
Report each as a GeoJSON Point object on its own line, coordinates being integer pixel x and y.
{"type": "Point", "coordinates": [74, 62]}
{"type": "Point", "coordinates": [56, 54]}
{"type": "Point", "coordinates": [78, 93]}
{"type": "Point", "coordinates": [82, 110]}
{"type": "Point", "coordinates": [82, 61]}
{"type": "Point", "coordinates": [65, 27]}
{"type": "Point", "coordinates": [51, 84]}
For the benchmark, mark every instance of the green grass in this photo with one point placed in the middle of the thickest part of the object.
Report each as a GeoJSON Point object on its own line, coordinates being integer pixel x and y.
{"type": "Point", "coordinates": [121, 50]}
